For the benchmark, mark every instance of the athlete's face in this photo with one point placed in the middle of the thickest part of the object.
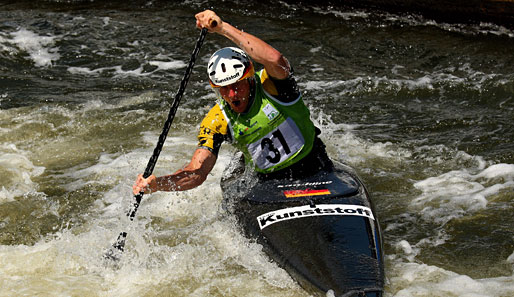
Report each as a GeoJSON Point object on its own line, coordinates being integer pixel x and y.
{"type": "Point", "coordinates": [237, 95]}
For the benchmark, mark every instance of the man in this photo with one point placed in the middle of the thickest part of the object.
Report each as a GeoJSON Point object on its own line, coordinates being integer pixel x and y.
{"type": "Point", "coordinates": [261, 113]}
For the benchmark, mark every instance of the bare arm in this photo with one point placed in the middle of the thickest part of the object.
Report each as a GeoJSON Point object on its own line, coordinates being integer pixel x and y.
{"type": "Point", "coordinates": [276, 65]}
{"type": "Point", "coordinates": [189, 177]}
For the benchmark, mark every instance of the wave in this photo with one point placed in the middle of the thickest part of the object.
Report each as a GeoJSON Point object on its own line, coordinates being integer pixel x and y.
{"type": "Point", "coordinates": [17, 173]}
{"type": "Point", "coordinates": [40, 49]}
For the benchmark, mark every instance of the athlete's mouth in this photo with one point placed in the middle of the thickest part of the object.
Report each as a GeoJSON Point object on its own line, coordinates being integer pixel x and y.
{"type": "Point", "coordinates": [236, 103]}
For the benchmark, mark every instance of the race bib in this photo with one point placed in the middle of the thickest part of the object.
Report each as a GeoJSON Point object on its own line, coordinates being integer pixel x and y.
{"type": "Point", "coordinates": [277, 146]}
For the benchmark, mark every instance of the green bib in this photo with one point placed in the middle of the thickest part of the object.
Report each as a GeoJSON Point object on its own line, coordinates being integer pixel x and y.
{"type": "Point", "coordinates": [272, 135]}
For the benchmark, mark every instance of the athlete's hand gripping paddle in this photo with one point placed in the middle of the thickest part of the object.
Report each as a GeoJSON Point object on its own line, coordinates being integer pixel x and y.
{"type": "Point", "coordinates": [114, 253]}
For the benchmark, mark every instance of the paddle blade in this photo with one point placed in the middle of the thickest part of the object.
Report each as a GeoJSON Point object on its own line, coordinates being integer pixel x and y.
{"type": "Point", "coordinates": [114, 253]}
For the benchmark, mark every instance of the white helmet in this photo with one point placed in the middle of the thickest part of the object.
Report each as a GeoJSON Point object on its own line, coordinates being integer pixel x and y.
{"type": "Point", "coordinates": [229, 65]}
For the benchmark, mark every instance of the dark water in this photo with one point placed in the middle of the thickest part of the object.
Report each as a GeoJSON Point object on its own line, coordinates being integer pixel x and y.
{"type": "Point", "coordinates": [422, 110]}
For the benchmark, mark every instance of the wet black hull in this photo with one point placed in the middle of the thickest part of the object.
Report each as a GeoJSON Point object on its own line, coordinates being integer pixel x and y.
{"type": "Point", "coordinates": [321, 229]}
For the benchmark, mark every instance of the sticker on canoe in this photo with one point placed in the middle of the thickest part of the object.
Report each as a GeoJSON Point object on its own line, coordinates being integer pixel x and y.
{"type": "Point", "coordinates": [306, 192]}
{"type": "Point", "coordinates": [306, 184]}
{"type": "Point", "coordinates": [298, 212]}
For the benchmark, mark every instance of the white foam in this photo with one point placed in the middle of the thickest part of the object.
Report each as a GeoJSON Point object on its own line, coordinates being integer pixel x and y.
{"type": "Point", "coordinates": [414, 279]}
{"type": "Point", "coordinates": [38, 47]}
{"type": "Point", "coordinates": [97, 104]}
{"type": "Point", "coordinates": [163, 257]}
{"type": "Point", "coordinates": [320, 85]}
{"type": "Point", "coordinates": [343, 145]}
{"type": "Point", "coordinates": [315, 49]}
{"type": "Point", "coordinates": [356, 151]}
{"type": "Point", "coordinates": [16, 173]}
{"type": "Point", "coordinates": [346, 15]}
{"type": "Point", "coordinates": [85, 70]}
{"type": "Point", "coordinates": [174, 233]}
{"type": "Point", "coordinates": [504, 171]}
{"type": "Point", "coordinates": [161, 65]}
{"type": "Point", "coordinates": [462, 75]}
{"type": "Point", "coordinates": [120, 72]}
{"type": "Point", "coordinates": [510, 259]}
{"type": "Point", "coordinates": [460, 192]}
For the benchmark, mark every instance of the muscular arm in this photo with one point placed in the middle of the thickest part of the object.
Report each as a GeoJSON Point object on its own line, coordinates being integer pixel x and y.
{"type": "Point", "coordinates": [189, 177]}
{"type": "Point", "coordinates": [276, 65]}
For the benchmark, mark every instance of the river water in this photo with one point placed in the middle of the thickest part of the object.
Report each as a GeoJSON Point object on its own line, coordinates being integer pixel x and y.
{"type": "Point", "coordinates": [422, 110]}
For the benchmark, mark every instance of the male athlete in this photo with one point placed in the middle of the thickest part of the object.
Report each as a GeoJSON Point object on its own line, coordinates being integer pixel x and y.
{"type": "Point", "coordinates": [261, 113]}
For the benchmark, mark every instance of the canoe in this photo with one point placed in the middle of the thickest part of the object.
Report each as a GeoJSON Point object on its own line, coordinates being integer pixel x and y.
{"type": "Point", "coordinates": [322, 229]}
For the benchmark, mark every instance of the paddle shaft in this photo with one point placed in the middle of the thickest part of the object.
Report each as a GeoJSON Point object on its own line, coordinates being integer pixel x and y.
{"type": "Point", "coordinates": [120, 242]}
{"type": "Point", "coordinates": [171, 115]}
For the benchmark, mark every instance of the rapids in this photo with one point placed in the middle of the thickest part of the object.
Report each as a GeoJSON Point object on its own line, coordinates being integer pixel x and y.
{"type": "Point", "coordinates": [422, 110]}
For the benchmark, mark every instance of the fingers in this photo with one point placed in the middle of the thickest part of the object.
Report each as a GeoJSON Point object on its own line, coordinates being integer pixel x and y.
{"type": "Point", "coordinates": [208, 19]}
{"type": "Point", "coordinates": [139, 185]}
{"type": "Point", "coordinates": [143, 184]}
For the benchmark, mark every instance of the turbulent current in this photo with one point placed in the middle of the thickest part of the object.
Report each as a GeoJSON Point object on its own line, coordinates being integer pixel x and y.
{"type": "Point", "coordinates": [424, 111]}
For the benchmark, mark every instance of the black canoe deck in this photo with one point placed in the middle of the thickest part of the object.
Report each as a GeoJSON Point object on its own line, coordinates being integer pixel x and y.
{"type": "Point", "coordinates": [322, 229]}
{"type": "Point", "coordinates": [324, 185]}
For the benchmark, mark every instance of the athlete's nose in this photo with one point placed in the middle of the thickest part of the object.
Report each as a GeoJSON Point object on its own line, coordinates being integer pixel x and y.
{"type": "Point", "coordinates": [232, 92]}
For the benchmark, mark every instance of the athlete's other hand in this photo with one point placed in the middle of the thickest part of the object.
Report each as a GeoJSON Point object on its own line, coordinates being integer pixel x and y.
{"type": "Point", "coordinates": [210, 20]}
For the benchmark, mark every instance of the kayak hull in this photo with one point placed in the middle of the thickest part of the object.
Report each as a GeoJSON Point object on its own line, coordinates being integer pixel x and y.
{"type": "Point", "coordinates": [322, 228]}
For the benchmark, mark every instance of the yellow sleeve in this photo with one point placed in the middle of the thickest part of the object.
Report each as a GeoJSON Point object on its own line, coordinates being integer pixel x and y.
{"type": "Point", "coordinates": [213, 130]}
{"type": "Point", "coordinates": [268, 84]}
